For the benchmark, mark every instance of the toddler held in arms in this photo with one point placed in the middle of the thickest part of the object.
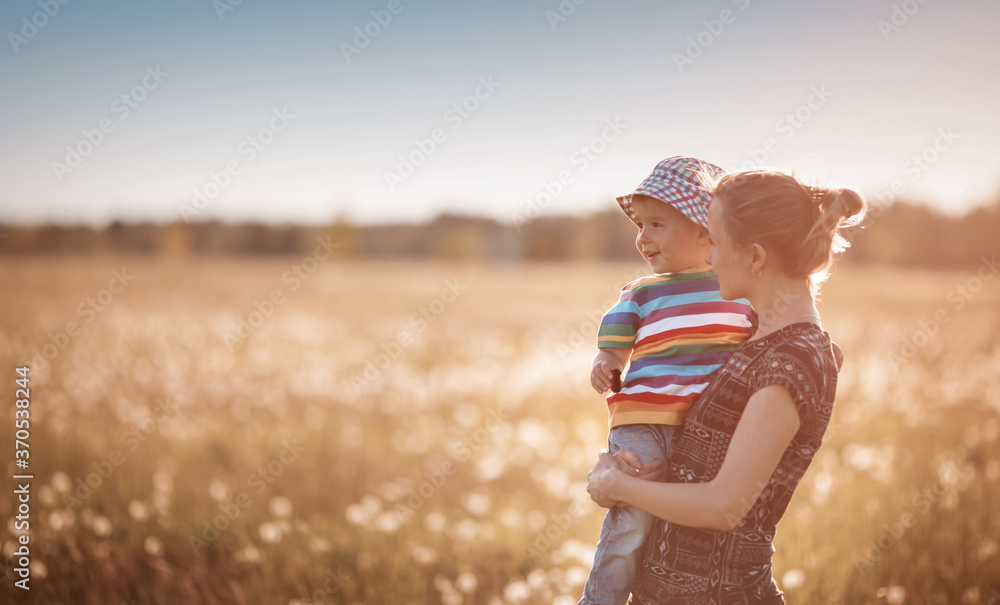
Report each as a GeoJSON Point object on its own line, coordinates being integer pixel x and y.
{"type": "Point", "coordinates": [674, 330]}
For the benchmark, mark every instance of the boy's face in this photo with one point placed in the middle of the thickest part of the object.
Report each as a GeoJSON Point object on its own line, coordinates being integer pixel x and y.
{"type": "Point", "coordinates": [668, 240]}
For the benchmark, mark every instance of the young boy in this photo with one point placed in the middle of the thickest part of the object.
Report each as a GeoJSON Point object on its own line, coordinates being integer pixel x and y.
{"type": "Point", "coordinates": [675, 330]}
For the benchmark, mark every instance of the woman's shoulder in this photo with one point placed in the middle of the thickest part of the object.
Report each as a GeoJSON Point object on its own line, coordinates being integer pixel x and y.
{"type": "Point", "coordinates": [803, 340]}
{"type": "Point", "coordinates": [798, 354]}
{"type": "Point", "coordinates": [804, 360]}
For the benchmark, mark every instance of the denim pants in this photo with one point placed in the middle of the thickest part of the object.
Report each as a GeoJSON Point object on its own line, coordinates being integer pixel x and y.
{"type": "Point", "coordinates": [625, 527]}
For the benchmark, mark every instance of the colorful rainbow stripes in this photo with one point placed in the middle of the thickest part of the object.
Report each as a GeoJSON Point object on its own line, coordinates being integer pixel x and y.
{"type": "Point", "coordinates": [680, 331]}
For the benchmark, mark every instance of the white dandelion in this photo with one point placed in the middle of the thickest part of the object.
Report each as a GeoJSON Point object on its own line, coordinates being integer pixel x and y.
{"type": "Point", "coordinates": [435, 521]}
{"type": "Point", "coordinates": [466, 582]}
{"type": "Point", "coordinates": [792, 579]}
{"type": "Point", "coordinates": [61, 482]}
{"type": "Point", "coordinates": [356, 514]}
{"type": "Point", "coordinates": [38, 569]}
{"type": "Point", "coordinates": [218, 491]}
{"type": "Point", "coordinates": [153, 546]}
{"type": "Point", "coordinates": [48, 495]}
{"type": "Point", "coordinates": [387, 522]}
{"type": "Point", "coordinates": [894, 595]}
{"type": "Point", "coordinates": [319, 545]}
{"type": "Point", "coordinates": [280, 506]}
{"type": "Point", "coordinates": [248, 554]}
{"type": "Point", "coordinates": [538, 579]}
{"type": "Point", "coordinates": [101, 526]}
{"type": "Point", "coordinates": [424, 555]}
{"type": "Point", "coordinates": [517, 591]}
{"type": "Point", "coordinates": [269, 532]}
{"type": "Point", "coordinates": [163, 482]}
{"type": "Point", "coordinates": [576, 576]}
{"type": "Point", "coordinates": [476, 503]}
{"type": "Point", "coordinates": [138, 510]}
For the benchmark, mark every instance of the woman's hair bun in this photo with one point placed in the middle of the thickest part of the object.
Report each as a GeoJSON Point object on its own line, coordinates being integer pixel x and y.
{"type": "Point", "coordinates": [797, 224]}
{"type": "Point", "coordinates": [838, 206]}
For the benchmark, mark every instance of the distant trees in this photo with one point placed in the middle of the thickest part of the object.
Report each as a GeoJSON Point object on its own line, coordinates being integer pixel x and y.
{"type": "Point", "coordinates": [913, 235]}
{"type": "Point", "coordinates": [902, 234]}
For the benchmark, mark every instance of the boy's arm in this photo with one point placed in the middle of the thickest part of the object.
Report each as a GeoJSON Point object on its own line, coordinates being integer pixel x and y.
{"type": "Point", "coordinates": [605, 361]}
{"type": "Point", "coordinates": [615, 339]}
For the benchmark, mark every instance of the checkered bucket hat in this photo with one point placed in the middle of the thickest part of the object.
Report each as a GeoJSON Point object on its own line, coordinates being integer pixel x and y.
{"type": "Point", "coordinates": [682, 182]}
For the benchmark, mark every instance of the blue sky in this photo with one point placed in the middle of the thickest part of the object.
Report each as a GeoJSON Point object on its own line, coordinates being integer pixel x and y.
{"type": "Point", "coordinates": [261, 112]}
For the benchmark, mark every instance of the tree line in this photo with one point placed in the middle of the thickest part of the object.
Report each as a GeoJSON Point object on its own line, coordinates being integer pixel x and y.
{"type": "Point", "coordinates": [901, 234]}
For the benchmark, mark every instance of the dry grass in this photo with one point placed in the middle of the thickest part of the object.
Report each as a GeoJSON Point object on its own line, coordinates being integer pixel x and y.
{"type": "Point", "coordinates": [385, 454]}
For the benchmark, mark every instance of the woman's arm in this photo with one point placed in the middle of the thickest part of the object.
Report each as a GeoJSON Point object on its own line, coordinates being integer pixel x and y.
{"type": "Point", "coordinates": [765, 429]}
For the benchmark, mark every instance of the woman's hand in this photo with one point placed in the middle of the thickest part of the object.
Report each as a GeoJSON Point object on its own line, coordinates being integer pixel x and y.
{"type": "Point", "coordinates": [631, 465]}
{"type": "Point", "coordinates": [601, 480]}
{"type": "Point", "coordinates": [607, 476]}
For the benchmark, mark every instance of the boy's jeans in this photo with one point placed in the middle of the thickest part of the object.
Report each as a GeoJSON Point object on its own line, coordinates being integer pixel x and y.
{"type": "Point", "coordinates": [625, 527]}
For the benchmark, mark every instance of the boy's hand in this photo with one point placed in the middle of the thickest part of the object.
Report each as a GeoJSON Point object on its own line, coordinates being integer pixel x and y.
{"type": "Point", "coordinates": [605, 362]}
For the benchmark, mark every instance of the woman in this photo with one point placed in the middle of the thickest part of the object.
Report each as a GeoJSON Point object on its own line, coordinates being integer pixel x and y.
{"type": "Point", "coordinates": [751, 435]}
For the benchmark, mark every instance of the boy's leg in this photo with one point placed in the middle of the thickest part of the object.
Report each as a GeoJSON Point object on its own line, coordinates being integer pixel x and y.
{"type": "Point", "coordinates": [625, 527]}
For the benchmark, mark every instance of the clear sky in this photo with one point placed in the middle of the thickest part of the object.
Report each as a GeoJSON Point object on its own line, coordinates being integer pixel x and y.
{"type": "Point", "coordinates": [284, 111]}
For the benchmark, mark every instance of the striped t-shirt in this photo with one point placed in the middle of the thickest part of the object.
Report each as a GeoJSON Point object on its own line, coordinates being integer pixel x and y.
{"type": "Point", "coordinates": [680, 330]}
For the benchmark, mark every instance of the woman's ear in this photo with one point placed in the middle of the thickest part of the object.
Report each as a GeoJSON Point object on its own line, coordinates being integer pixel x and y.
{"type": "Point", "coordinates": [758, 257]}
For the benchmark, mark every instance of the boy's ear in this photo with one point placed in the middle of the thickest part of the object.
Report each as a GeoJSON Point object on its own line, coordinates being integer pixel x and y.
{"type": "Point", "coordinates": [703, 235]}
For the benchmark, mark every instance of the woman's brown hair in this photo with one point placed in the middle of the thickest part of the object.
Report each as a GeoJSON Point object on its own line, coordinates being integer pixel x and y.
{"type": "Point", "coordinates": [796, 223]}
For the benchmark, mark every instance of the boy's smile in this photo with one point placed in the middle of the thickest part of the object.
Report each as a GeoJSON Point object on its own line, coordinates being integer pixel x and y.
{"type": "Point", "coordinates": [668, 240]}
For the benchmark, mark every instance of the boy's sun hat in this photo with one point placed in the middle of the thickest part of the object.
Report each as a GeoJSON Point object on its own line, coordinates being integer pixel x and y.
{"type": "Point", "coordinates": [682, 182]}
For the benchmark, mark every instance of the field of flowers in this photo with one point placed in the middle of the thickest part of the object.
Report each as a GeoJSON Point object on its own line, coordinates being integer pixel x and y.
{"type": "Point", "coordinates": [292, 431]}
